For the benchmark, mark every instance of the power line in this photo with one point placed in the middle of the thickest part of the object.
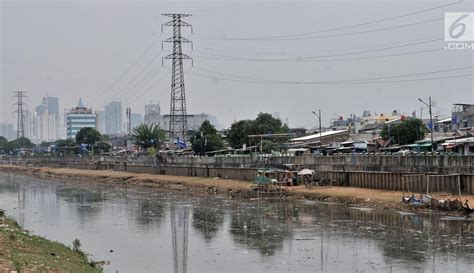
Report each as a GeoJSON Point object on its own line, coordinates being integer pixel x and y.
{"type": "Point", "coordinates": [336, 83]}
{"type": "Point", "coordinates": [201, 37]}
{"type": "Point", "coordinates": [299, 59]}
{"type": "Point", "coordinates": [328, 60]}
{"type": "Point", "coordinates": [135, 63]}
{"type": "Point", "coordinates": [337, 28]}
{"type": "Point", "coordinates": [206, 49]}
{"type": "Point", "coordinates": [133, 79]}
{"type": "Point", "coordinates": [364, 80]}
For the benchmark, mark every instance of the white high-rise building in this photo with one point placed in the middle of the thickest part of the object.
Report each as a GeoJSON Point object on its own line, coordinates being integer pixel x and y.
{"type": "Point", "coordinates": [113, 118]}
{"type": "Point", "coordinates": [45, 125]}
{"type": "Point", "coordinates": [6, 131]}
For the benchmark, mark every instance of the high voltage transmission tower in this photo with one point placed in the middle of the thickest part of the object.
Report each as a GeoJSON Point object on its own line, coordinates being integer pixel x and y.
{"type": "Point", "coordinates": [21, 109]}
{"type": "Point", "coordinates": [178, 124]}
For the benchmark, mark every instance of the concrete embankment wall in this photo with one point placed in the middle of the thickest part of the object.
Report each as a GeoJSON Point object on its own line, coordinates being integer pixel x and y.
{"type": "Point", "coordinates": [440, 173]}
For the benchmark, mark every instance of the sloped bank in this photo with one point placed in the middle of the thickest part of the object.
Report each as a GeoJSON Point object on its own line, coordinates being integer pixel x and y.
{"type": "Point", "coordinates": [23, 252]}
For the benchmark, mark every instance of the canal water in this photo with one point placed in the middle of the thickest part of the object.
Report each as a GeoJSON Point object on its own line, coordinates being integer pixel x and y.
{"type": "Point", "coordinates": [145, 230]}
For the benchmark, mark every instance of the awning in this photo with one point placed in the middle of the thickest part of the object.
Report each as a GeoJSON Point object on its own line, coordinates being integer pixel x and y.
{"type": "Point", "coordinates": [306, 172]}
{"type": "Point", "coordinates": [450, 145]}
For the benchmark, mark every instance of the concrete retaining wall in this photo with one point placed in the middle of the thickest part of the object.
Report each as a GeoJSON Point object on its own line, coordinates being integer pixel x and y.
{"type": "Point", "coordinates": [445, 173]}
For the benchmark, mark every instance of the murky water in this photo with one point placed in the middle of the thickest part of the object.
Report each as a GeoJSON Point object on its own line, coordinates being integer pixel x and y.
{"type": "Point", "coordinates": [143, 230]}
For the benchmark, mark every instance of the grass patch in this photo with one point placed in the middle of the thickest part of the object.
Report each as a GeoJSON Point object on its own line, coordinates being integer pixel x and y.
{"type": "Point", "coordinates": [24, 252]}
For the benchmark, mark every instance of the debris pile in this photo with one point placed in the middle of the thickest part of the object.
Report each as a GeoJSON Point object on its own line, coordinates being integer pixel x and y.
{"type": "Point", "coordinates": [429, 202]}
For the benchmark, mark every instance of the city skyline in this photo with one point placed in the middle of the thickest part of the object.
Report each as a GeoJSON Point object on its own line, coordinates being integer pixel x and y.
{"type": "Point", "coordinates": [101, 61]}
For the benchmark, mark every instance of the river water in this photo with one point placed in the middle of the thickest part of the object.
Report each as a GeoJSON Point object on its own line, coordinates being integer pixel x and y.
{"type": "Point", "coordinates": [145, 230]}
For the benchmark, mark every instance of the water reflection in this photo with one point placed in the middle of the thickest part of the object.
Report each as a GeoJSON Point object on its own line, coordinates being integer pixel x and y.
{"type": "Point", "coordinates": [149, 213]}
{"type": "Point", "coordinates": [180, 231]}
{"type": "Point", "coordinates": [208, 218]}
{"type": "Point", "coordinates": [147, 229]}
{"type": "Point", "coordinates": [87, 203]}
{"type": "Point", "coordinates": [261, 227]}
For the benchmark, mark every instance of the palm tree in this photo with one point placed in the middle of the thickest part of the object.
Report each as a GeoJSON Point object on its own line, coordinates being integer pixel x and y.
{"type": "Point", "coordinates": [147, 136]}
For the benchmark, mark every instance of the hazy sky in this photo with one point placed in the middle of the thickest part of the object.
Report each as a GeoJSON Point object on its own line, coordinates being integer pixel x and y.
{"type": "Point", "coordinates": [72, 49]}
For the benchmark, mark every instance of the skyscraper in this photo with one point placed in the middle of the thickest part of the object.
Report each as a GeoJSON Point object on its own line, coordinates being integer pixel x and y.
{"type": "Point", "coordinates": [113, 118]}
{"type": "Point", "coordinates": [136, 120]}
{"type": "Point", "coordinates": [45, 125]}
{"type": "Point", "coordinates": [100, 121]}
{"type": "Point", "coordinates": [6, 131]}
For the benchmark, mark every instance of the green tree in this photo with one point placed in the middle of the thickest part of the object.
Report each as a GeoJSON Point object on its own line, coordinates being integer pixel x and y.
{"type": "Point", "coordinates": [147, 136]}
{"type": "Point", "coordinates": [264, 124]}
{"type": "Point", "coordinates": [3, 142]}
{"type": "Point", "coordinates": [206, 139]}
{"type": "Point", "coordinates": [406, 132]}
{"type": "Point", "coordinates": [19, 143]}
{"type": "Point", "coordinates": [88, 136]}
{"type": "Point", "coordinates": [102, 147]}
{"type": "Point", "coordinates": [66, 146]}
{"type": "Point", "coordinates": [238, 133]}
{"type": "Point", "coordinates": [268, 146]}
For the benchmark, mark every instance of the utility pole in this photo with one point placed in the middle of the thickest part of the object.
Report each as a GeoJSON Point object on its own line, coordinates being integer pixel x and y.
{"type": "Point", "coordinates": [128, 113]}
{"type": "Point", "coordinates": [320, 129]}
{"type": "Point", "coordinates": [178, 124]}
{"type": "Point", "coordinates": [431, 122]}
{"type": "Point", "coordinates": [21, 109]}
{"type": "Point", "coordinates": [128, 117]}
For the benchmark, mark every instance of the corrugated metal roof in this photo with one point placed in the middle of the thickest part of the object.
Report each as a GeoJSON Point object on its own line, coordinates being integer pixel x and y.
{"type": "Point", "coordinates": [318, 135]}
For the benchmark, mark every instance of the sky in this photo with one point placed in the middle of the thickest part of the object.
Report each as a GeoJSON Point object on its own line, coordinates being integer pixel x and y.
{"type": "Point", "coordinates": [285, 57]}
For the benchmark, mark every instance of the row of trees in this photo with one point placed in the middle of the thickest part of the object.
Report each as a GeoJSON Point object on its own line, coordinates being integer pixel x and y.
{"type": "Point", "coordinates": [10, 146]}
{"type": "Point", "coordinates": [152, 137]}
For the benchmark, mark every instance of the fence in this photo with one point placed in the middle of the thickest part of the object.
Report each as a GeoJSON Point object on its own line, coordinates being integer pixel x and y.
{"type": "Point", "coordinates": [380, 172]}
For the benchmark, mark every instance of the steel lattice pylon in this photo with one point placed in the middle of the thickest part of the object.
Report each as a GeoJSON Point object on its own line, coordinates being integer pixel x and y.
{"type": "Point", "coordinates": [178, 125]}
{"type": "Point", "coordinates": [20, 112]}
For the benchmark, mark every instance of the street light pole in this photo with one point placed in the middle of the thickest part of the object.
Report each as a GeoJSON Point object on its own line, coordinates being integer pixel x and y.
{"type": "Point", "coordinates": [320, 130]}
{"type": "Point", "coordinates": [431, 122]}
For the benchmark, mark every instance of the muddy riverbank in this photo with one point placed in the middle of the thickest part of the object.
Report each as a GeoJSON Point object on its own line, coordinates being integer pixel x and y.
{"type": "Point", "coordinates": [23, 252]}
{"type": "Point", "coordinates": [351, 196]}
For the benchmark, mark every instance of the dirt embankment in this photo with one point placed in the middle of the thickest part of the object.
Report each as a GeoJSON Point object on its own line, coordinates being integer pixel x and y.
{"type": "Point", "coordinates": [23, 252]}
{"type": "Point", "coordinates": [348, 195]}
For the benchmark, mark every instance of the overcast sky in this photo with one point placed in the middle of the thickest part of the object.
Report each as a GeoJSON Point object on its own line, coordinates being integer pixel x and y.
{"type": "Point", "coordinates": [72, 49]}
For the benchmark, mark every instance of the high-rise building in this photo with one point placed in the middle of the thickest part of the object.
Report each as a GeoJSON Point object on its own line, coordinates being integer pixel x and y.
{"type": "Point", "coordinates": [6, 131]}
{"type": "Point", "coordinates": [100, 121]}
{"type": "Point", "coordinates": [78, 118]}
{"type": "Point", "coordinates": [113, 118]}
{"type": "Point", "coordinates": [51, 104]}
{"type": "Point", "coordinates": [136, 120]}
{"type": "Point", "coordinates": [45, 125]}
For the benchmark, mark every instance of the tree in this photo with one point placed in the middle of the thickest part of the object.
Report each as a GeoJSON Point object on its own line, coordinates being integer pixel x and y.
{"type": "Point", "coordinates": [268, 146]}
{"type": "Point", "coordinates": [3, 142]}
{"type": "Point", "coordinates": [147, 136]}
{"type": "Point", "coordinates": [406, 132]}
{"type": "Point", "coordinates": [19, 143]}
{"type": "Point", "coordinates": [238, 133]}
{"type": "Point", "coordinates": [206, 139]}
{"type": "Point", "coordinates": [102, 147]}
{"type": "Point", "coordinates": [66, 146]}
{"type": "Point", "coordinates": [263, 124]}
{"type": "Point", "coordinates": [88, 136]}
